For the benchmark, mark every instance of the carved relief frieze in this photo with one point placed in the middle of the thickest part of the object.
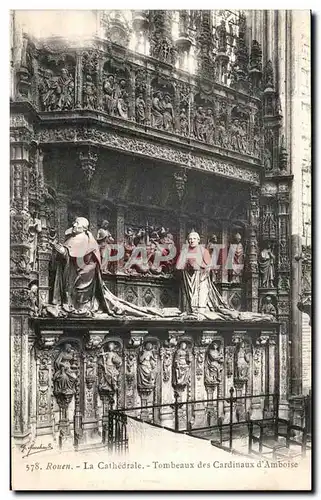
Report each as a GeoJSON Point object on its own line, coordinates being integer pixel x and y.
{"type": "Point", "coordinates": [162, 152]}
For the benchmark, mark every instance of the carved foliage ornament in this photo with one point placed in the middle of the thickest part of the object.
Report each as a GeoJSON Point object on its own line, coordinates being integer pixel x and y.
{"type": "Point", "coordinates": [145, 148]}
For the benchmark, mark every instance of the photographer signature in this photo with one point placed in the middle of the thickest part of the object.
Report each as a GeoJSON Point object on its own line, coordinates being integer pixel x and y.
{"type": "Point", "coordinates": [31, 449]}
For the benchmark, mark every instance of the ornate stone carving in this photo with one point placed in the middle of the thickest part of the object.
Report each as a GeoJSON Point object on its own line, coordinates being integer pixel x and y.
{"type": "Point", "coordinates": [240, 76]}
{"type": "Point", "coordinates": [268, 307]}
{"type": "Point", "coordinates": [90, 62]}
{"type": "Point", "coordinates": [181, 367]}
{"type": "Point", "coordinates": [166, 355]}
{"type": "Point", "coordinates": [146, 368]}
{"type": "Point", "coordinates": [64, 378]}
{"type": "Point", "coordinates": [109, 363]}
{"type": "Point", "coordinates": [242, 363]}
{"type": "Point", "coordinates": [140, 94]}
{"type": "Point", "coordinates": [214, 361]}
{"type": "Point", "coordinates": [88, 161]}
{"type": "Point", "coordinates": [180, 177]}
{"type": "Point", "coordinates": [267, 266]}
{"type": "Point", "coordinates": [199, 362]}
{"type": "Point", "coordinates": [57, 93]}
{"type": "Point", "coordinates": [117, 28]}
{"type": "Point", "coordinates": [161, 43]}
{"type": "Point", "coordinates": [142, 147]}
{"type": "Point", "coordinates": [90, 376]}
{"type": "Point", "coordinates": [130, 367]}
{"type": "Point", "coordinates": [116, 94]}
{"type": "Point", "coordinates": [239, 258]}
{"type": "Point", "coordinates": [205, 46]}
{"type": "Point", "coordinates": [269, 224]}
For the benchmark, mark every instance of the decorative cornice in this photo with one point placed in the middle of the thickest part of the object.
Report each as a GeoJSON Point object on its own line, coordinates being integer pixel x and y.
{"type": "Point", "coordinates": [146, 148]}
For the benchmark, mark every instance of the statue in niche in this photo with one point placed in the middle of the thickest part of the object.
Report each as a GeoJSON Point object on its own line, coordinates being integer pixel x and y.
{"type": "Point", "coordinates": [140, 109]}
{"type": "Point", "coordinates": [234, 135]}
{"type": "Point", "coordinates": [202, 297]}
{"type": "Point", "coordinates": [157, 110]}
{"type": "Point", "coordinates": [181, 367]}
{"type": "Point", "coordinates": [267, 160]}
{"type": "Point", "coordinates": [215, 255]}
{"type": "Point", "coordinates": [222, 37]}
{"type": "Point", "coordinates": [238, 263]}
{"type": "Point", "coordinates": [129, 243]}
{"type": "Point", "coordinates": [109, 363]}
{"type": "Point", "coordinates": [104, 238]}
{"type": "Point", "coordinates": [268, 307]}
{"type": "Point", "coordinates": [199, 124]}
{"type": "Point", "coordinates": [183, 122]}
{"type": "Point", "coordinates": [89, 93]}
{"type": "Point", "coordinates": [34, 299]}
{"type": "Point", "coordinates": [108, 99]}
{"type": "Point", "coordinates": [33, 231]}
{"type": "Point", "coordinates": [146, 368]}
{"type": "Point", "coordinates": [168, 113]}
{"type": "Point", "coordinates": [256, 144]}
{"type": "Point", "coordinates": [267, 266]}
{"type": "Point", "coordinates": [221, 133]}
{"type": "Point", "coordinates": [65, 91]}
{"type": "Point", "coordinates": [78, 287]}
{"type": "Point", "coordinates": [64, 378]}
{"type": "Point", "coordinates": [242, 137]}
{"type": "Point", "coordinates": [121, 99]}
{"type": "Point", "coordinates": [46, 90]}
{"type": "Point", "coordinates": [214, 361]}
{"type": "Point", "coordinates": [242, 363]}
{"type": "Point", "coordinates": [209, 126]}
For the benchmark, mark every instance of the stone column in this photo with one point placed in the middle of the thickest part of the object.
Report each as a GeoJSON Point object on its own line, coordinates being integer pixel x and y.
{"type": "Point", "coordinates": [78, 81]}
{"type": "Point", "coordinates": [20, 136]}
{"type": "Point", "coordinates": [252, 291]}
{"type": "Point", "coordinates": [119, 238]}
{"type": "Point", "coordinates": [167, 394]}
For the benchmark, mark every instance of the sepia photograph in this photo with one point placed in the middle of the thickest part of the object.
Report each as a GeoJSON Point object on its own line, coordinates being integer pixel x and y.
{"type": "Point", "coordinates": [160, 250]}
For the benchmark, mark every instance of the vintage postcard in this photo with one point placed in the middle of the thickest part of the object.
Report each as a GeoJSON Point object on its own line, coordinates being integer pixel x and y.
{"type": "Point", "coordinates": [160, 258]}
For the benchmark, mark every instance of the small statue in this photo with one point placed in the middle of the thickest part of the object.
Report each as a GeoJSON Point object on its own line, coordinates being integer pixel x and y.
{"type": "Point", "coordinates": [267, 160]}
{"type": "Point", "coordinates": [199, 119]}
{"type": "Point", "coordinates": [65, 91]}
{"type": "Point", "coordinates": [34, 300]}
{"type": "Point", "coordinates": [64, 378]}
{"type": "Point", "coordinates": [266, 265]}
{"type": "Point", "coordinates": [213, 365]}
{"type": "Point", "coordinates": [183, 123]}
{"type": "Point", "coordinates": [157, 110]}
{"type": "Point", "coordinates": [33, 231]}
{"type": "Point", "coordinates": [234, 135]}
{"type": "Point", "coordinates": [104, 238]}
{"type": "Point", "coordinates": [146, 368]}
{"type": "Point", "coordinates": [109, 363]}
{"type": "Point", "coordinates": [109, 100]}
{"type": "Point", "coordinates": [242, 363]}
{"type": "Point", "coordinates": [238, 263]}
{"type": "Point", "coordinates": [268, 307]}
{"type": "Point", "coordinates": [215, 257]}
{"type": "Point", "coordinates": [209, 127]}
{"type": "Point", "coordinates": [89, 93]}
{"type": "Point", "coordinates": [121, 99]}
{"type": "Point", "coordinates": [168, 113]}
{"type": "Point", "coordinates": [181, 367]}
{"type": "Point", "coordinates": [221, 133]}
{"type": "Point", "coordinates": [140, 109]}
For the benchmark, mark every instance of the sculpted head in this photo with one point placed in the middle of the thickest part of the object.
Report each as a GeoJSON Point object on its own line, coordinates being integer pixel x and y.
{"type": "Point", "coordinates": [238, 237]}
{"type": "Point", "coordinates": [149, 346]}
{"type": "Point", "coordinates": [183, 345]}
{"type": "Point", "coordinates": [80, 225]}
{"type": "Point", "coordinates": [111, 346]}
{"type": "Point", "coordinates": [193, 239]}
